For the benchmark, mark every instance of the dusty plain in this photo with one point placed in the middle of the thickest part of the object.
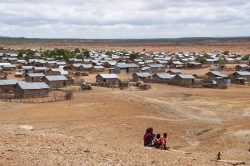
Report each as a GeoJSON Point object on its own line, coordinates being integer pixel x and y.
{"type": "Point", "coordinates": [105, 126]}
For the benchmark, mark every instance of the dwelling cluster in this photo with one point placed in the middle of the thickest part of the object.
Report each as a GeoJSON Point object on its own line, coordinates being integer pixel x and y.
{"type": "Point", "coordinates": [40, 75]}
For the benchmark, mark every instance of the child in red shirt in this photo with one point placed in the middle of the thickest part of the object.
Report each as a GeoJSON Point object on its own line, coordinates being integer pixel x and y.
{"type": "Point", "coordinates": [163, 142]}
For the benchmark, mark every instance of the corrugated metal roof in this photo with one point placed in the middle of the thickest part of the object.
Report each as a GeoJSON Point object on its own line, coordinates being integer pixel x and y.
{"type": "Point", "coordinates": [156, 65]}
{"type": "Point", "coordinates": [40, 68]}
{"type": "Point", "coordinates": [33, 85]}
{"type": "Point", "coordinates": [62, 71]}
{"type": "Point", "coordinates": [112, 63]}
{"type": "Point", "coordinates": [126, 65]}
{"type": "Point", "coordinates": [178, 63]}
{"type": "Point", "coordinates": [87, 66]}
{"type": "Point", "coordinates": [145, 68]}
{"type": "Point", "coordinates": [243, 65]}
{"type": "Point", "coordinates": [77, 65]}
{"type": "Point", "coordinates": [194, 63]}
{"type": "Point", "coordinates": [218, 74]}
{"type": "Point", "coordinates": [186, 76]}
{"type": "Point", "coordinates": [164, 75]}
{"type": "Point", "coordinates": [8, 82]}
{"type": "Point", "coordinates": [56, 78]}
{"type": "Point", "coordinates": [108, 75]}
{"type": "Point", "coordinates": [143, 75]}
{"type": "Point", "coordinates": [9, 66]}
{"type": "Point", "coordinates": [98, 67]}
{"type": "Point", "coordinates": [243, 73]}
{"type": "Point", "coordinates": [27, 67]}
{"type": "Point", "coordinates": [36, 74]}
{"type": "Point", "coordinates": [61, 63]}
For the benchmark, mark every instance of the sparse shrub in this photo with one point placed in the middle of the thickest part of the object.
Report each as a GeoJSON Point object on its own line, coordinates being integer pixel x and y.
{"type": "Point", "coordinates": [68, 95]}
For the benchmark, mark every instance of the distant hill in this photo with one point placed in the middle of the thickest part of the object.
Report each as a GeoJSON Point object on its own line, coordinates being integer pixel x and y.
{"type": "Point", "coordinates": [13, 40]}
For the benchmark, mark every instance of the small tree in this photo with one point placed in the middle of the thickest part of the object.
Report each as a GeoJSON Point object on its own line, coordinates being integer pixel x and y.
{"type": "Point", "coordinates": [134, 55]}
{"type": "Point", "coordinates": [221, 63]}
{"type": "Point", "coordinates": [245, 57]}
{"type": "Point", "coordinates": [109, 53]}
{"type": "Point", "coordinates": [226, 52]}
{"type": "Point", "coordinates": [86, 53]}
{"type": "Point", "coordinates": [202, 59]}
{"type": "Point", "coordinates": [20, 53]}
{"type": "Point", "coordinates": [77, 50]}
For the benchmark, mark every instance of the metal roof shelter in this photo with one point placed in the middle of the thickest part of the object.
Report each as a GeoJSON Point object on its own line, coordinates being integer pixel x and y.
{"type": "Point", "coordinates": [27, 67]}
{"type": "Point", "coordinates": [164, 75]}
{"type": "Point", "coordinates": [8, 82]}
{"type": "Point", "coordinates": [108, 76]}
{"type": "Point", "coordinates": [126, 65]}
{"type": "Point", "coordinates": [156, 65]}
{"type": "Point", "coordinates": [243, 73]}
{"type": "Point", "coordinates": [33, 85]}
{"type": "Point", "coordinates": [36, 75]}
{"type": "Point", "coordinates": [217, 74]}
{"type": "Point", "coordinates": [143, 75]}
{"type": "Point", "coordinates": [186, 76]}
{"type": "Point", "coordinates": [56, 78]}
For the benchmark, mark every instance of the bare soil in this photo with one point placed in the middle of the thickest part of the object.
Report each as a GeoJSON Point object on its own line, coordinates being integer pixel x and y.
{"type": "Point", "coordinates": [234, 46]}
{"type": "Point", "coordinates": [105, 127]}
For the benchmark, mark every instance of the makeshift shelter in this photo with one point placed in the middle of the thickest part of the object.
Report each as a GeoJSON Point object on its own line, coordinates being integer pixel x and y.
{"type": "Point", "coordinates": [55, 81]}
{"type": "Point", "coordinates": [107, 80]}
{"type": "Point", "coordinates": [31, 89]}
{"type": "Point", "coordinates": [240, 77]}
{"type": "Point", "coordinates": [126, 68]}
{"type": "Point", "coordinates": [34, 77]}
{"type": "Point", "coordinates": [146, 77]}
{"type": "Point", "coordinates": [7, 85]}
{"type": "Point", "coordinates": [183, 80]}
{"type": "Point", "coordinates": [162, 77]}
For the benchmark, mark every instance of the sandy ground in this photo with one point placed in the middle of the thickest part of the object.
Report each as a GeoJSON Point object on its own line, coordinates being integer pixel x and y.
{"type": "Point", "coordinates": [234, 46]}
{"type": "Point", "coordinates": [105, 127]}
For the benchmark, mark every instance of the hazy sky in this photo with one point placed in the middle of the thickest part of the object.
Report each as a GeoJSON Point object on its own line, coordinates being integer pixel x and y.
{"type": "Point", "coordinates": [124, 18]}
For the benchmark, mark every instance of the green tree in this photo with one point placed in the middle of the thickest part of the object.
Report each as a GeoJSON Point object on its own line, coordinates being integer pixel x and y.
{"type": "Point", "coordinates": [86, 53]}
{"type": "Point", "coordinates": [226, 52]}
{"type": "Point", "coordinates": [20, 53]}
{"type": "Point", "coordinates": [68, 56]}
{"type": "Point", "coordinates": [109, 53]}
{"type": "Point", "coordinates": [77, 50]}
{"type": "Point", "coordinates": [202, 59]}
{"type": "Point", "coordinates": [30, 53]}
{"type": "Point", "coordinates": [245, 57]}
{"type": "Point", "coordinates": [134, 55]}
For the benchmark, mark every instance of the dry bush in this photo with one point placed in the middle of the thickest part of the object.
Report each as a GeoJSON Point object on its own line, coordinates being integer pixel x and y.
{"type": "Point", "coordinates": [68, 95]}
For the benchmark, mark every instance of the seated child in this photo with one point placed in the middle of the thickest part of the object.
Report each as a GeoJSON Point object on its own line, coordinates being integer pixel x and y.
{"type": "Point", "coordinates": [163, 142]}
{"type": "Point", "coordinates": [156, 142]}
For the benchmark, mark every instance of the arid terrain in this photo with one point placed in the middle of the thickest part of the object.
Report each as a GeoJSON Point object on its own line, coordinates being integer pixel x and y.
{"type": "Point", "coordinates": [234, 45]}
{"type": "Point", "coordinates": [105, 127]}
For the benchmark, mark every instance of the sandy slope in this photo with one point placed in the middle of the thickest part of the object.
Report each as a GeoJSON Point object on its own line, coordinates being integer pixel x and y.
{"type": "Point", "coordinates": [105, 127]}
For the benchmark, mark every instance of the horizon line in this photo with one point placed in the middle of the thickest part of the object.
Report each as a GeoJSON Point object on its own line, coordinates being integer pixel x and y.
{"type": "Point", "coordinates": [170, 38]}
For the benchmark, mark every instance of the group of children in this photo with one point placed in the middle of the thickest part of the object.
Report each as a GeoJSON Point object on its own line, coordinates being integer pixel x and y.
{"type": "Point", "coordinates": [155, 140]}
